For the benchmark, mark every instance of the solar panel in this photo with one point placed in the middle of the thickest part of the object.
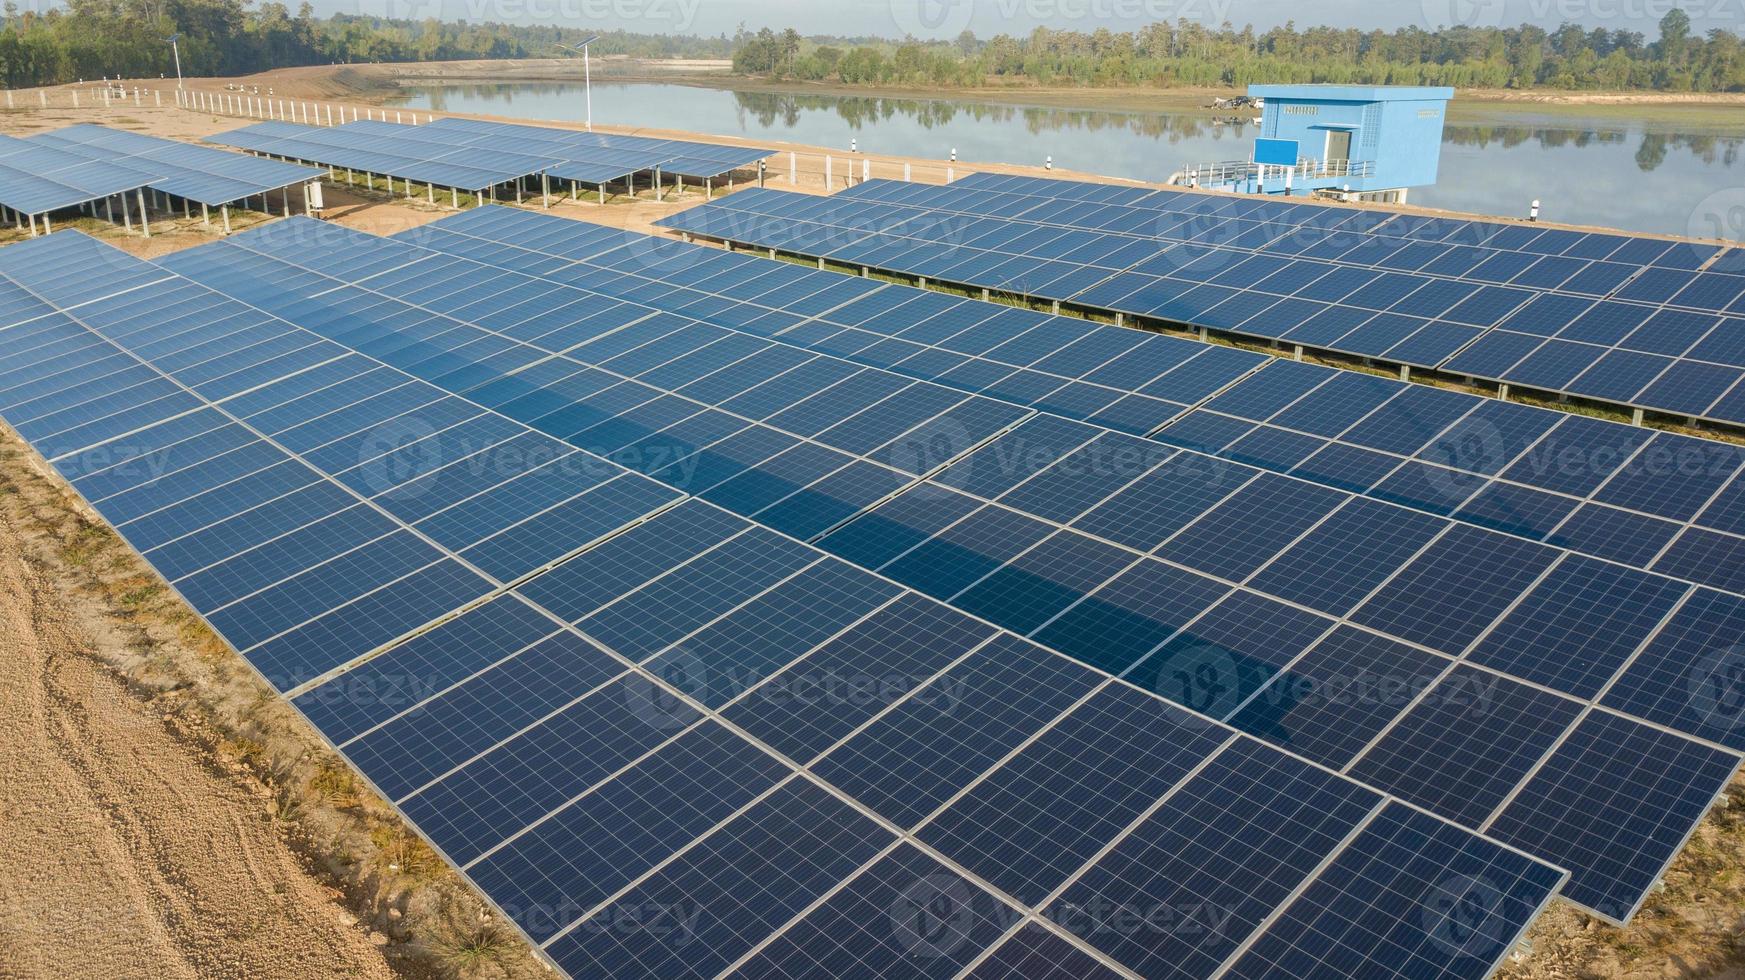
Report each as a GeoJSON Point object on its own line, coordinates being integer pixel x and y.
{"type": "Point", "coordinates": [1265, 637]}
{"type": "Point", "coordinates": [1232, 274]}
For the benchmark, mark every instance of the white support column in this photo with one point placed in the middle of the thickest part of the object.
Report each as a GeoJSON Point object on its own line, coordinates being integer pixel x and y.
{"type": "Point", "coordinates": [144, 218]}
{"type": "Point", "coordinates": [545, 190]}
{"type": "Point", "coordinates": [829, 178]}
{"type": "Point", "coordinates": [908, 173]}
{"type": "Point", "coordinates": [33, 226]}
{"type": "Point", "coordinates": [793, 167]}
{"type": "Point", "coordinates": [224, 210]}
{"type": "Point", "coordinates": [205, 216]}
{"type": "Point", "coordinates": [1405, 372]}
{"type": "Point", "coordinates": [48, 227]}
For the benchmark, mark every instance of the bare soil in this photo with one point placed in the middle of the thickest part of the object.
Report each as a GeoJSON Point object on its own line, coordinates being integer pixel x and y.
{"type": "Point", "coordinates": [164, 813]}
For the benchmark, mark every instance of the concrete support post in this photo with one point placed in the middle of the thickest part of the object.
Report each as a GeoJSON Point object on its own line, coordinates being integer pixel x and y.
{"type": "Point", "coordinates": [144, 219]}
{"type": "Point", "coordinates": [205, 216]}
{"type": "Point", "coordinates": [1503, 392]}
{"type": "Point", "coordinates": [1635, 416]}
{"type": "Point", "coordinates": [1297, 352]}
{"type": "Point", "coordinates": [224, 211]}
{"type": "Point", "coordinates": [1405, 372]}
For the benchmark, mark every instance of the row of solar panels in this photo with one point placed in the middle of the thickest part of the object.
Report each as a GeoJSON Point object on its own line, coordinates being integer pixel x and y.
{"type": "Point", "coordinates": [1607, 490]}
{"type": "Point", "coordinates": [1128, 567]}
{"type": "Point", "coordinates": [68, 167]}
{"type": "Point", "coordinates": [585, 785]}
{"type": "Point", "coordinates": [474, 155]}
{"type": "Point", "coordinates": [1638, 348]}
{"type": "Point", "coordinates": [1063, 204]}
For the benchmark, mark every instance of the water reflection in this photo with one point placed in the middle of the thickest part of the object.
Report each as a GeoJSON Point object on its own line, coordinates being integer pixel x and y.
{"type": "Point", "coordinates": [1587, 170]}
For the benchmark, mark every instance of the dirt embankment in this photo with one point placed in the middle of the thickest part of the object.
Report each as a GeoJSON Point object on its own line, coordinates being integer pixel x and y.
{"type": "Point", "coordinates": [164, 815]}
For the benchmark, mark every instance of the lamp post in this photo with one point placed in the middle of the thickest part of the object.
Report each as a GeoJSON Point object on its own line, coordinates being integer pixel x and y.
{"type": "Point", "coordinates": [587, 74]}
{"type": "Point", "coordinates": [176, 49]}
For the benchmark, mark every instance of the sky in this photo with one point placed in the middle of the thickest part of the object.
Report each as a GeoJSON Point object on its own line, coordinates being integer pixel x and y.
{"type": "Point", "coordinates": [946, 18]}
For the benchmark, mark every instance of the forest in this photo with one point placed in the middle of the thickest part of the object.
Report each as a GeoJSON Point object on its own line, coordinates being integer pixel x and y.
{"type": "Point", "coordinates": [1189, 54]}
{"type": "Point", "coordinates": [87, 39]}
{"type": "Point", "coordinates": [90, 39]}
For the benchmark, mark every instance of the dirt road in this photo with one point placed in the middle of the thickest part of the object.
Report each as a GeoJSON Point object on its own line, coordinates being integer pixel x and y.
{"type": "Point", "coordinates": [126, 852]}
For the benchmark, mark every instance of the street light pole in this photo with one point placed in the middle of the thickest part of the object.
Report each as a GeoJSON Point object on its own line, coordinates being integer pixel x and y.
{"type": "Point", "coordinates": [176, 49]}
{"type": "Point", "coordinates": [587, 74]}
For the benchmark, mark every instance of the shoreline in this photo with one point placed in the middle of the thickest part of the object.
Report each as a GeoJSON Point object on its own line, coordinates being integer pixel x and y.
{"type": "Point", "coordinates": [381, 82]}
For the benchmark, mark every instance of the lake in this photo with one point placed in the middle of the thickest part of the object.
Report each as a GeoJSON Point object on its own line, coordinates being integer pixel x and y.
{"type": "Point", "coordinates": [1631, 173]}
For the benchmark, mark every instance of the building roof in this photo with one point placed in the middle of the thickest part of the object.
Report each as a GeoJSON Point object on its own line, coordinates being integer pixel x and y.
{"type": "Point", "coordinates": [1354, 93]}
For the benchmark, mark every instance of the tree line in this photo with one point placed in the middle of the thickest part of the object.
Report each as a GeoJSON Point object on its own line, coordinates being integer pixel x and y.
{"type": "Point", "coordinates": [107, 38]}
{"type": "Point", "coordinates": [1189, 54]}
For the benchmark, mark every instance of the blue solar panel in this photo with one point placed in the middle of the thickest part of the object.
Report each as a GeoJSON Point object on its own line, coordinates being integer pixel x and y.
{"type": "Point", "coordinates": [1598, 825]}
{"type": "Point", "coordinates": [1238, 837]}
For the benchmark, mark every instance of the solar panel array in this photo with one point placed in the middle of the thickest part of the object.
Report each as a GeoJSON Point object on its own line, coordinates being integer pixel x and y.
{"type": "Point", "coordinates": [196, 173]}
{"type": "Point", "coordinates": [438, 382]}
{"type": "Point", "coordinates": [67, 167]}
{"type": "Point", "coordinates": [609, 702]}
{"type": "Point", "coordinates": [473, 155]}
{"type": "Point", "coordinates": [1644, 323]}
{"type": "Point", "coordinates": [1160, 566]}
{"type": "Point", "coordinates": [36, 179]}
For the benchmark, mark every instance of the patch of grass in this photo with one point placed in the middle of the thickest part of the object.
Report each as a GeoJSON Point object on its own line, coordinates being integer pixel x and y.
{"type": "Point", "coordinates": [137, 598]}
{"type": "Point", "coordinates": [400, 852]}
{"type": "Point", "coordinates": [465, 951]}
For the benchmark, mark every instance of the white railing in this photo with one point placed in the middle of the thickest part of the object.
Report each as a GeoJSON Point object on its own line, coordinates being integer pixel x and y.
{"type": "Point", "coordinates": [1237, 171]}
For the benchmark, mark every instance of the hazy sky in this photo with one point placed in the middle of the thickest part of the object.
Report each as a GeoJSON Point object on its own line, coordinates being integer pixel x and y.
{"type": "Point", "coordinates": [945, 18]}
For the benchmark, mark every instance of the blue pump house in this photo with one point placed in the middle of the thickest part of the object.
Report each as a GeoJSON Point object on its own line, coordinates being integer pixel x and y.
{"type": "Point", "coordinates": [1371, 141]}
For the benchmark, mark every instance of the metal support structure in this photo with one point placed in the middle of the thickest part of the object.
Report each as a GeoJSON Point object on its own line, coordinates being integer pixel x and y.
{"type": "Point", "coordinates": [144, 218]}
{"type": "Point", "coordinates": [224, 211]}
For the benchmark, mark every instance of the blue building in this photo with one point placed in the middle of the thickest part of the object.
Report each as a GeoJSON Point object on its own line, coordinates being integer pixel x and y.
{"type": "Point", "coordinates": [1364, 142]}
